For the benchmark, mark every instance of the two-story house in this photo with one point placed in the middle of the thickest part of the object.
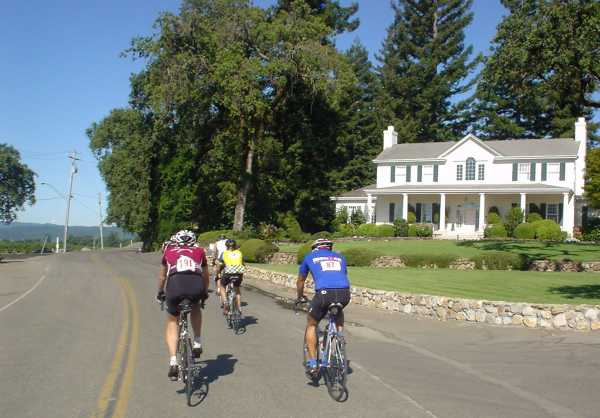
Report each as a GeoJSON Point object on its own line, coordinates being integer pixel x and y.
{"type": "Point", "coordinates": [454, 185]}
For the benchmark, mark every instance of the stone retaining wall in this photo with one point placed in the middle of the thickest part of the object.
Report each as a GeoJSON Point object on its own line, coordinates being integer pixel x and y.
{"type": "Point", "coordinates": [563, 317]}
{"type": "Point", "coordinates": [283, 258]}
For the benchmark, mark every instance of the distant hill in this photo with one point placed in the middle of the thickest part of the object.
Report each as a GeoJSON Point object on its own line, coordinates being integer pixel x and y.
{"type": "Point", "coordinates": [17, 231]}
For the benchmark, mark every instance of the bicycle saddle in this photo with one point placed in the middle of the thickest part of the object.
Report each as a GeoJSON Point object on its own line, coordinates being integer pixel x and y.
{"type": "Point", "coordinates": [335, 308]}
{"type": "Point", "coordinates": [185, 305]}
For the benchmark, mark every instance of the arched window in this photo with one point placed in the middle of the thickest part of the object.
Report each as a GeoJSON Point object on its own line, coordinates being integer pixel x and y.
{"type": "Point", "coordinates": [470, 169]}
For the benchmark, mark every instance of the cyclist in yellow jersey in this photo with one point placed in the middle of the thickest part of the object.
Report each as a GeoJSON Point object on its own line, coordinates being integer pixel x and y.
{"type": "Point", "coordinates": [231, 270]}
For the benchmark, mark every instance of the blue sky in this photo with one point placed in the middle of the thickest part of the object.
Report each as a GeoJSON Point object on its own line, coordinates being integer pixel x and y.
{"type": "Point", "coordinates": [60, 71]}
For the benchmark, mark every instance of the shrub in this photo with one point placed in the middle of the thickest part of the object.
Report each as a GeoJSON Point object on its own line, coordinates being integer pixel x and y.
{"type": "Point", "coordinates": [412, 218]}
{"type": "Point", "coordinates": [494, 209]}
{"type": "Point", "coordinates": [257, 250]}
{"type": "Point", "coordinates": [500, 260]}
{"type": "Point", "coordinates": [412, 230]}
{"type": "Point", "coordinates": [292, 228]}
{"type": "Point", "coordinates": [322, 234]}
{"type": "Point", "coordinates": [592, 235]}
{"type": "Point", "coordinates": [367, 230]}
{"type": "Point", "coordinates": [513, 218]}
{"type": "Point", "coordinates": [424, 230]}
{"type": "Point", "coordinates": [269, 232]}
{"type": "Point", "coordinates": [547, 230]}
{"type": "Point", "coordinates": [400, 228]}
{"type": "Point", "coordinates": [302, 251]}
{"type": "Point", "coordinates": [341, 217]}
{"type": "Point", "coordinates": [525, 231]}
{"type": "Point", "coordinates": [534, 217]}
{"type": "Point", "coordinates": [346, 230]}
{"type": "Point", "coordinates": [360, 257]}
{"type": "Point", "coordinates": [428, 260]}
{"type": "Point", "coordinates": [495, 231]}
{"type": "Point", "coordinates": [493, 218]}
{"type": "Point", "coordinates": [357, 217]}
{"type": "Point", "coordinates": [384, 231]}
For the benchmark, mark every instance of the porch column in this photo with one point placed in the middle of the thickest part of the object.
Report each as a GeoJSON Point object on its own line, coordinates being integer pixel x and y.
{"type": "Point", "coordinates": [523, 202]}
{"type": "Point", "coordinates": [368, 208]}
{"type": "Point", "coordinates": [481, 211]}
{"type": "Point", "coordinates": [568, 219]}
{"type": "Point", "coordinates": [405, 206]}
{"type": "Point", "coordinates": [442, 211]}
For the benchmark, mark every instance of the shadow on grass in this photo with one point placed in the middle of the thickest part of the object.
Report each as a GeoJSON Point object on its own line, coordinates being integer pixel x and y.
{"type": "Point", "coordinates": [532, 249]}
{"type": "Point", "coordinates": [584, 291]}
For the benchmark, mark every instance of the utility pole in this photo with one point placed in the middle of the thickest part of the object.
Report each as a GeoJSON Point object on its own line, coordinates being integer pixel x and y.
{"type": "Point", "coordinates": [73, 157]}
{"type": "Point", "coordinates": [100, 215]}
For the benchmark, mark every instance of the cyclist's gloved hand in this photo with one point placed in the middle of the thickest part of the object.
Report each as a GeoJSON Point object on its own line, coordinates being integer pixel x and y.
{"type": "Point", "coordinates": [160, 296]}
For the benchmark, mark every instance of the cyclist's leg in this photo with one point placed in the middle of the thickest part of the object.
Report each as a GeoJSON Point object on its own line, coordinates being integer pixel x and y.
{"type": "Point", "coordinates": [238, 294]}
{"type": "Point", "coordinates": [171, 334]}
{"type": "Point", "coordinates": [341, 296]}
{"type": "Point", "coordinates": [224, 281]}
{"type": "Point", "coordinates": [310, 337]}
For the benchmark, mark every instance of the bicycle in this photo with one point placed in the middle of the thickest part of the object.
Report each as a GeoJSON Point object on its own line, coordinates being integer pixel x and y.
{"type": "Point", "coordinates": [331, 355]}
{"type": "Point", "coordinates": [188, 369]}
{"type": "Point", "coordinates": [234, 316]}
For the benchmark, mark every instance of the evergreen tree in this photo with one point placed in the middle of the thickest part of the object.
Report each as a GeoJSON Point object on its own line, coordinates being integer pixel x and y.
{"type": "Point", "coordinates": [425, 67]}
{"type": "Point", "coordinates": [543, 71]}
{"type": "Point", "coordinates": [336, 16]}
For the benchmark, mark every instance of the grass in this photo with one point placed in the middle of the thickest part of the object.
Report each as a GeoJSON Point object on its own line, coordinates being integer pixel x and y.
{"type": "Point", "coordinates": [532, 249]}
{"type": "Point", "coordinates": [510, 286]}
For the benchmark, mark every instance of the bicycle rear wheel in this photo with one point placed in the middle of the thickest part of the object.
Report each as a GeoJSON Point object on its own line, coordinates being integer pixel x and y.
{"type": "Point", "coordinates": [186, 369]}
{"type": "Point", "coordinates": [335, 372]}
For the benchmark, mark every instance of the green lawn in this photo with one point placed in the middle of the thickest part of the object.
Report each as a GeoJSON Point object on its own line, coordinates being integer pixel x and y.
{"type": "Point", "coordinates": [533, 249]}
{"type": "Point", "coordinates": [516, 286]}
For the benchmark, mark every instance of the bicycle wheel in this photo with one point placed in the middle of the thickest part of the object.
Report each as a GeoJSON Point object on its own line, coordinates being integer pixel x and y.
{"type": "Point", "coordinates": [186, 366]}
{"type": "Point", "coordinates": [335, 372]}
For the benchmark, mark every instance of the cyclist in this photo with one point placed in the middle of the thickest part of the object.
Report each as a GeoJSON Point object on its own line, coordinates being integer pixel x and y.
{"type": "Point", "coordinates": [231, 269]}
{"type": "Point", "coordinates": [330, 276]}
{"type": "Point", "coordinates": [220, 246]}
{"type": "Point", "coordinates": [185, 273]}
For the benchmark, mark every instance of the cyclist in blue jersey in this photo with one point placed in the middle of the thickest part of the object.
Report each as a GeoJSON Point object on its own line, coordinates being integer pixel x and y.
{"type": "Point", "coordinates": [330, 276]}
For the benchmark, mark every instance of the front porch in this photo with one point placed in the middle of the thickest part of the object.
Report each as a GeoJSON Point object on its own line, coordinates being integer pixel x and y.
{"type": "Point", "coordinates": [462, 214]}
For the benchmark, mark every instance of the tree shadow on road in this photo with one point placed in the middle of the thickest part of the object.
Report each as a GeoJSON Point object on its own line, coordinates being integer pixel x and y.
{"type": "Point", "coordinates": [584, 291]}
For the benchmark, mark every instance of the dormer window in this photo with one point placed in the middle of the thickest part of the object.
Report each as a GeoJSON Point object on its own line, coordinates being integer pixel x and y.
{"type": "Point", "coordinates": [470, 169]}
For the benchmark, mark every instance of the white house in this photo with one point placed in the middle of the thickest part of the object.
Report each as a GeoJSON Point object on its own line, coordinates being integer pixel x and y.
{"type": "Point", "coordinates": [453, 185]}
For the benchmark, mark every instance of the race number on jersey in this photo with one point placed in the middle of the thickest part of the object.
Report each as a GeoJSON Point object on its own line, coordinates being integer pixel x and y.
{"type": "Point", "coordinates": [185, 263]}
{"type": "Point", "coordinates": [331, 265]}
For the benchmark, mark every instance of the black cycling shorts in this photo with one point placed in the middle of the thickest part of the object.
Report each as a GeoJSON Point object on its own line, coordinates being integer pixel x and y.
{"type": "Point", "coordinates": [325, 297]}
{"type": "Point", "coordinates": [236, 279]}
{"type": "Point", "coordinates": [181, 286]}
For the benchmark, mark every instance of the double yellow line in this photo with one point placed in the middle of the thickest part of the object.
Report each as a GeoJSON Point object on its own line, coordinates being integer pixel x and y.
{"type": "Point", "coordinates": [115, 392]}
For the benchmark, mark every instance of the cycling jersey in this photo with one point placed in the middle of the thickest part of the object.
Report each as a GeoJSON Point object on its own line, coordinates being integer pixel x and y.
{"type": "Point", "coordinates": [328, 269]}
{"type": "Point", "coordinates": [233, 261]}
{"type": "Point", "coordinates": [184, 259]}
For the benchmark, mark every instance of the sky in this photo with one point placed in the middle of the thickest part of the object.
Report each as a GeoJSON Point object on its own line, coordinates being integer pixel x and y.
{"type": "Point", "coordinates": [61, 70]}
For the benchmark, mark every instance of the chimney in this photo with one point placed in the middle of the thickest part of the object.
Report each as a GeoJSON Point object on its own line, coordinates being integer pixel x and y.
{"type": "Point", "coordinates": [581, 137]}
{"type": "Point", "coordinates": [390, 137]}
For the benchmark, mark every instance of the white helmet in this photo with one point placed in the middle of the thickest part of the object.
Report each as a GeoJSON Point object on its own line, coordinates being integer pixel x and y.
{"type": "Point", "coordinates": [184, 237]}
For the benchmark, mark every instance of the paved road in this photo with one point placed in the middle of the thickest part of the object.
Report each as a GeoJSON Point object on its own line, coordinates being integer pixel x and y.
{"type": "Point", "coordinates": [81, 336]}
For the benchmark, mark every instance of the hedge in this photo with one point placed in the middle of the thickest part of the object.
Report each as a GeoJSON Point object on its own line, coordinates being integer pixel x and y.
{"type": "Point", "coordinates": [534, 217]}
{"type": "Point", "coordinates": [500, 260]}
{"type": "Point", "coordinates": [345, 230]}
{"type": "Point", "coordinates": [547, 230]}
{"type": "Point", "coordinates": [428, 260]}
{"type": "Point", "coordinates": [385, 231]}
{"type": "Point", "coordinates": [257, 251]}
{"type": "Point", "coordinates": [525, 231]}
{"type": "Point", "coordinates": [592, 235]}
{"type": "Point", "coordinates": [493, 218]}
{"type": "Point", "coordinates": [495, 231]}
{"type": "Point", "coordinates": [367, 230]}
{"type": "Point", "coordinates": [360, 257]}
{"type": "Point", "coordinates": [400, 228]}
{"type": "Point", "coordinates": [412, 230]}
{"type": "Point", "coordinates": [322, 234]}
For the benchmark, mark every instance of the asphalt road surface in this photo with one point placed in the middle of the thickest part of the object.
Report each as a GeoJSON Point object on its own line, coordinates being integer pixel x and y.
{"type": "Point", "coordinates": [81, 336]}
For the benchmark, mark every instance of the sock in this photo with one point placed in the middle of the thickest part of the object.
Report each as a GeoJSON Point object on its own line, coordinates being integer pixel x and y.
{"type": "Point", "coordinates": [311, 362]}
{"type": "Point", "coordinates": [173, 361]}
{"type": "Point", "coordinates": [197, 341]}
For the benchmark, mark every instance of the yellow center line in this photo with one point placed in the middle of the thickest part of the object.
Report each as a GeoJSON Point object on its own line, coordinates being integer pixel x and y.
{"type": "Point", "coordinates": [121, 373]}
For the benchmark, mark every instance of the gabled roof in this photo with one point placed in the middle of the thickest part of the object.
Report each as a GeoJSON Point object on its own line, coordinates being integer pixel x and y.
{"type": "Point", "coordinates": [358, 192]}
{"type": "Point", "coordinates": [504, 148]}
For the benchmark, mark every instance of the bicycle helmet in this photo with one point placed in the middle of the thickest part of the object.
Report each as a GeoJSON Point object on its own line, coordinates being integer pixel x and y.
{"type": "Point", "coordinates": [185, 237]}
{"type": "Point", "coordinates": [322, 243]}
{"type": "Point", "coordinates": [230, 244]}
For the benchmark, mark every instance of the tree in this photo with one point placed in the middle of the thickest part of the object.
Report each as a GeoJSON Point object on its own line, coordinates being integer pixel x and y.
{"type": "Point", "coordinates": [514, 217]}
{"type": "Point", "coordinates": [425, 67]}
{"type": "Point", "coordinates": [17, 186]}
{"type": "Point", "coordinates": [336, 16]}
{"type": "Point", "coordinates": [592, 178]}
{"type": "Point", "coordinates": [543, 71]}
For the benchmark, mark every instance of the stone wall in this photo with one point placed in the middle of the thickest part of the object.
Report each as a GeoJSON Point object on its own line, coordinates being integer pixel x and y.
{"type": "Point", "coordinates": [544, 316]}
{"type": "Point", "coordinates": [283, 258]}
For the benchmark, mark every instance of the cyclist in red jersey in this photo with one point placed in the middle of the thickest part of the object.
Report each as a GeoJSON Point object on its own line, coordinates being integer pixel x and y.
{"type": "Point", "coordinates": [185, 274]}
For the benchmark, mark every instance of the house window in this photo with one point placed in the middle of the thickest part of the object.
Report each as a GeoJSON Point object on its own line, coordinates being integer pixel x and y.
{"type": "Point", "coordinates": [428, 173]}
{"type": "Point", "coordinates": [552, 212]}
{"type": "Point", "coordinates": [459, 172]}
{"type": "Point", "coordinates": [470, 171]}
{"type": "Point", "coordinates": [524, 171]}
{"type": "Point", "coordinates": [553, 171]}
{"type": "Point", "coordinates": [427, 215]}
{"type": "Point", "coordinates": [401, 174]}
{"type": "Point", "coordinates": [481, 172]}
{"type": "Point", "coordinates": [393, 174]}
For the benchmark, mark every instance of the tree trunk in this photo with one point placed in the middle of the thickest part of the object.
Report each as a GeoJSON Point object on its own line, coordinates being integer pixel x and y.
{"type": "Point", "coordinates": [246, 180]}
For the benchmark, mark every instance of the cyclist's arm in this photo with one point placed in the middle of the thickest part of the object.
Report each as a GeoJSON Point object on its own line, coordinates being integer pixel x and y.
{"type": "Point", "coordinates": [300, 285]}
{"type": "Point", "coordinates": [162, 277]}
